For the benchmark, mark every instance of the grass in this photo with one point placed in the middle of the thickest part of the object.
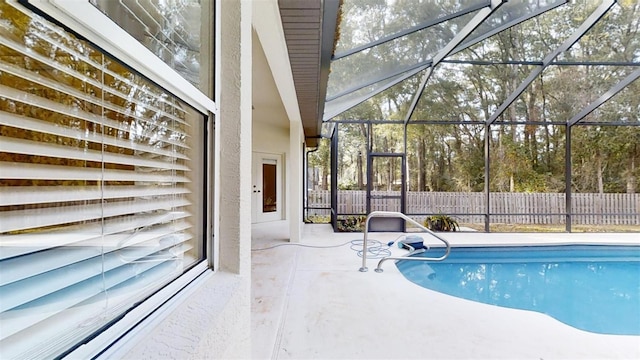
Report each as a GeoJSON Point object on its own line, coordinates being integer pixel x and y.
{"type": "Point", "coordinates": [541, 228]}
{"type": "Point", "coordinates": [318, 219]}
{"type": "Point", "coordinates": [554, 228]}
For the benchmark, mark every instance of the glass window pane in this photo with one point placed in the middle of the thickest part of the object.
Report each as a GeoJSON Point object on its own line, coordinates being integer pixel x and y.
{"type": "Point", "coordinates": [171, 29]}
{"type": "Point", "coordinates": [269, 188]}
{"type": "Point", "coordinates": [101, 187]}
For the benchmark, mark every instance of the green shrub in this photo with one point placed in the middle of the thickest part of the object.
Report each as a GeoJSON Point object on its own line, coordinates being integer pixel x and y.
{"type": "Point", "coordinates": [441, 223]}
{"type": "Point", "coordinates": [352, 223]}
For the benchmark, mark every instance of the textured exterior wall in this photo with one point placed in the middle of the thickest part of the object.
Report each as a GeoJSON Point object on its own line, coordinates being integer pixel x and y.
{"type": "Point", "coordinates": [235, 137]}
{"type": "Point", "coordinates": [270, 139]}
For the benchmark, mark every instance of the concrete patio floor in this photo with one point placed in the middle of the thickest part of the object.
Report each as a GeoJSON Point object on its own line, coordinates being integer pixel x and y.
{"type": "Point", "coordinates": [313, 303]}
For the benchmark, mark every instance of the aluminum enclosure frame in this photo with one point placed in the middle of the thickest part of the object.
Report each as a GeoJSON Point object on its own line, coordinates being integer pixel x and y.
{"type": "Point", "coordinates": [496, 118]}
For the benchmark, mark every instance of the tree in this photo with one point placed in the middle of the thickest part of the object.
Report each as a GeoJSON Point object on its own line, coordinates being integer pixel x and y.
{"type": "Point", "coordinates": [527, 144]}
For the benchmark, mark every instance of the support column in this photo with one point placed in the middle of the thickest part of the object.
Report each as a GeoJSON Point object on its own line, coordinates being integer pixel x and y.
{"type": "Point", "coordinates": [234, 177]}
{"type": "Point", "coordinates": [567, 179]}
{"type": "Point", "coordinates": [487, 174]}
{"type": "Point", "coordinates": [296, 169]}
{"type": "Point", "coordinates": [334, 178]}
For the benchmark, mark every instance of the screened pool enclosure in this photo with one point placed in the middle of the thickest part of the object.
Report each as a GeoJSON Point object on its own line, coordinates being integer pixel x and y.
{"type": "Point", "coordinates": [516, 115]}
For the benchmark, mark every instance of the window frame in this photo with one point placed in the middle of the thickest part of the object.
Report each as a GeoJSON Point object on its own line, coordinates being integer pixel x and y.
{"type": "Point", "coordinates": [90, 23]}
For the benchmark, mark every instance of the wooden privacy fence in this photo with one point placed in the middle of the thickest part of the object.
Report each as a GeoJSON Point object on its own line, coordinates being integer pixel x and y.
{"type": "Point", "coordinates": [509, 208]}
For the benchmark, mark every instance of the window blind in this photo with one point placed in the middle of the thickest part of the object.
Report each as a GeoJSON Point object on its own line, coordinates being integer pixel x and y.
{"type": "Point", "coordinates": [101, 187]}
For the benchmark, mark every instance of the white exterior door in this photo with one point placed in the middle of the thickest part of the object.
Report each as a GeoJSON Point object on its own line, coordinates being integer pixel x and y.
{"type": "Point", "coordinates": [267, 200]}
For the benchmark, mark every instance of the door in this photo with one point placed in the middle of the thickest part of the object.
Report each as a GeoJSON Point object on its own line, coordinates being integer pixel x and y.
{"type": "Point", "coordinates": [386, 190]}
{"type": "Point", "coordinates": [267, 188]}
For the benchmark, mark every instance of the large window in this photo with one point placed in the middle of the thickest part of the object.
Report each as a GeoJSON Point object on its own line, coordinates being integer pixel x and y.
{"type": "Point", "coordinates": [102, 187]}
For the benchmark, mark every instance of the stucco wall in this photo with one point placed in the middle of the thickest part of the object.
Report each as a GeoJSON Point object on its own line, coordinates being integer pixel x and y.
{"type": "Point", "coordinates": [269, 139]}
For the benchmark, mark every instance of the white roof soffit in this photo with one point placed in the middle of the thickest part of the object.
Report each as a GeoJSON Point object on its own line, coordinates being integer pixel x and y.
{"type": "Point", "coordinates": [309, 30]}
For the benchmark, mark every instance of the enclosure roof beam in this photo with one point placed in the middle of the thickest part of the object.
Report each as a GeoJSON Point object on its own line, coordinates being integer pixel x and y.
{"type": "Point", "coordinates": [423, 25]}
{"type": "Point", "coordinates": [605, 97]}
{"type": "Point", "coordinates": [539, 63]}
{"type": "Point", "coordinates": [480, 17]}
{"type": "Point", "coordinates": [584, 27]}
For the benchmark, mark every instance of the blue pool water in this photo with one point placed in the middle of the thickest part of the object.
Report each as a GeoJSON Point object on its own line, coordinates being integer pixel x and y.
{"type": "Point", "coordinates": [590, 287]}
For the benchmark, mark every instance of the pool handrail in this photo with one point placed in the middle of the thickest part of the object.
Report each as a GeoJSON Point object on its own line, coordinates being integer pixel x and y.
{"type": "Point", "coordinates": [395, 214]}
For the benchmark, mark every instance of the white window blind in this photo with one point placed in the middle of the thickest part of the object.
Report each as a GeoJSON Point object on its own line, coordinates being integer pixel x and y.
{"type": "Point", "coordinates": [101, 187]}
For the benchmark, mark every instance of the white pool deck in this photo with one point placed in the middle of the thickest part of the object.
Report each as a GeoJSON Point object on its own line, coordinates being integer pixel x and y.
{"type": "Point", "coordinates": [310, 303]}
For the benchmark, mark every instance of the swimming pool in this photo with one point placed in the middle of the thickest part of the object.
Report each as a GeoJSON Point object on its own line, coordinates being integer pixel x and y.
{"type": "Point", "coordinates": [590, 287]}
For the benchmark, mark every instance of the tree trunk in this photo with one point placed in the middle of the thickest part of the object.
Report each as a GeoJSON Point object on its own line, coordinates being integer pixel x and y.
{"type": "Point", "coordinates": [360, 171]}
{"type": "Point", "coordinates": [325, 177]}
{"type": "Point", "coordinates": [547, 148]}
{"type": "Point", "coordinates": [599, 175]}
{"type": "Point", "coordinates": [421, 166]}
{"type": "Point", "coordinates": [530, 130]}
{"type": "Point", "coordinates": [389, 174]}
{"type": "Point", "coordinates": [631, 179]}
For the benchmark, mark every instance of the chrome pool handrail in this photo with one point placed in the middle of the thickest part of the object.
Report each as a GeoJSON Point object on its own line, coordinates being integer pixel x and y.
{"type": "Point", "coordinates": [395, 214]}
